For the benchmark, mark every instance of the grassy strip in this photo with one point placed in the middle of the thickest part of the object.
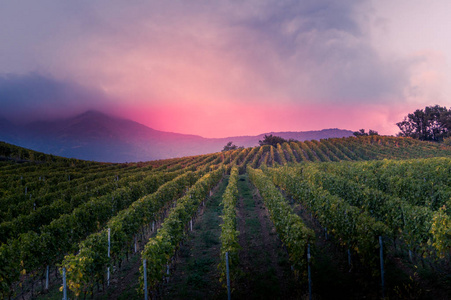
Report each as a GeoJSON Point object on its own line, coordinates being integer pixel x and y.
{"type": "Point", "coordinates": [195, 274]}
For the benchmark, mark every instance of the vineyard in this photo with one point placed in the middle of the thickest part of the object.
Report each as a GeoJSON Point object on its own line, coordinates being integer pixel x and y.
{"type": "Point", "coordinates": [360, 217]}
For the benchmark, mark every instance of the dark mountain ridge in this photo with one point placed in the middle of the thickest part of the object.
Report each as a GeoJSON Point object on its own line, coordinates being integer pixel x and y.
{"type": "Point", "coordinates": [96, 136]}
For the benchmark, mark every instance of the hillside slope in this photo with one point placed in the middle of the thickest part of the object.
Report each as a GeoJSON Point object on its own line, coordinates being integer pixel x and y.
{"type": "Point", "coordinates": [68, 204]}
{"type": "Point", "coordinates": [100, 137]}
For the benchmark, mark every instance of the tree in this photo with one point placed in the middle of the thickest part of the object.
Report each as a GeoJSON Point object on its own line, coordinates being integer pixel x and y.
{"type": "Point", "coordinates": [431, 124]}
{"type": "Point", "coordinates": [272, 140]}
{"type": "Point", "coordinates": [230, 146]}
{"type": "Point", "coordinates": [362, 132]}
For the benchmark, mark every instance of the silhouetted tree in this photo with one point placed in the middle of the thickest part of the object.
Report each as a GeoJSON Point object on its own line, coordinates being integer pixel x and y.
{"type": "Point", "coordinates": [272, 140]}
{"type": "Point", "coordinates": [362, 132]}
{"type": "Point", "coordinates": [230, 146]}
{"type": "Point", "coordinates": [431, 124]}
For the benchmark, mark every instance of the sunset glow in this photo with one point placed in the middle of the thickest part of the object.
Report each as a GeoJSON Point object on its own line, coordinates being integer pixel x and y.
{"type": "Point", "coordinates": [226, 69]}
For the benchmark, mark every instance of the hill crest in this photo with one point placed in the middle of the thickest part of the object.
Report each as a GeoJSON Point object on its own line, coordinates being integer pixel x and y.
{"type": "Point", "coordinates": [94, 135]}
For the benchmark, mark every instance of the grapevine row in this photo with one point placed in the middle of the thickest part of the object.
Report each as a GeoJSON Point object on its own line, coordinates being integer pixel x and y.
{"type": "Point", "coordinates": [42, 213]}
{"type": "Point", "coordinates": [229, 233]}
{"type": "Point", "coordinates": [159, 250]}
{"type": "Point", "coordinates": [89, 265]}
{"type": "Point", "coordinates": [355, 228]}
{"type": "Point", "coordinates": [32, 251]}
{"type": "Point", "coordinates": [409, 222]}
{"type": "Point", "coordinates": [292, 231]}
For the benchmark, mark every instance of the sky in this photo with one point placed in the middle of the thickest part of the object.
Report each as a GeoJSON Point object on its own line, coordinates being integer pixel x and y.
{"type": "Point", "coordinates": [226, 68]}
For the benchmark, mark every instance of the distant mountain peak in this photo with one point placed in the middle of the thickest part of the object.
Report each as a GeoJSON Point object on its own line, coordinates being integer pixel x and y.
{"type": "Point", "coordinates": [94, 114]}
{"type": "Point", "coordinates": [95, 135]}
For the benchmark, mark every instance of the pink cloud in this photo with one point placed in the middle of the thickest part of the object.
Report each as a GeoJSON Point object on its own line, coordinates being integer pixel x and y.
{"type": "Point", "coordinates": [228, 119]}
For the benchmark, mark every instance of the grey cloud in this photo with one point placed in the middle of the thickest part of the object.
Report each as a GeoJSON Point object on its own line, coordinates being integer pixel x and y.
{"type": "Point", "coordinates": [324, 51]}
{"type": "Point", "coordinates": [307, 50]}
{"type": "Point", "coordinates": [35, 96]}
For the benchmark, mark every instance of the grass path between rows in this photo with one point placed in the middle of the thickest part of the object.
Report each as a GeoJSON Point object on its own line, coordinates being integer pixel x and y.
{"type": "Point", "coordinates": [195, 275]}
{"type": "Point", "coordinates": [266, 272]}
{"type": "Point", "coordinates": [264, 261]}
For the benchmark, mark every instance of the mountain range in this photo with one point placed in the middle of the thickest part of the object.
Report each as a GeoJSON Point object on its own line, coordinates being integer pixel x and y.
{"type": "Point", "coordinates": [97, 136]}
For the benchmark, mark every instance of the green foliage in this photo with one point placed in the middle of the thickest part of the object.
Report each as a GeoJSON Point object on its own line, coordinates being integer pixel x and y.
{"type": "Point", "coordinates": [239, 159]}
{"type": "Point", "coordinates": [249, 157]}
{"type": "Point", "coordinates": [292, 231]}
{"type": "Point", "coordinates": [281, 154]}
{"type": "Point", "coordinates": [272, 140]}
{"type": "Point", "coordinates": [433, 123]}
{"type": "Point", "coordinates": [406, 221]}
{"type": "Point", "coordinates": [313, 145]}
{"type": "Point", "coordinates": [409, 196]}
{"type": "Point", "coordinates": [298, 150]}
{"type": "Point", "coordinates": [229, 233]}
{"type": "Point", "coordinates": [162, 247]}
{"type": "Point", "coordinates": [441, 232]}
{"type": "Point", "coordinates": [230, 146]}
{"type": "Point", "coordinates": [89, 265]}
{"type": "Point", "coordinates": [355, 228]}
{"type": "Point", "coordinates": [61, 236]}
{"type": "Point", "coordinates": [286, 147]}
{"type": "Point", "coordinates": [21, 154]}
{"type": "Point", "coordinates": [362, 132]}
{"type": "Point", "coordinates": [73, 202]}
{"type": "Point", "coordinates": [10, 269]}
{"type": "Point", "coordinates": [256, 160]}
{"type": "Point", "coordinates": [309, 154]}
